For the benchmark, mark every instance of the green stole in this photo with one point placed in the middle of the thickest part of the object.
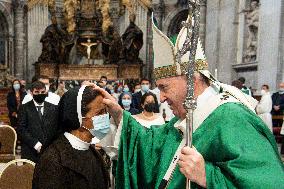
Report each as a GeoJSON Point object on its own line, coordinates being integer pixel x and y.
{"type": "Point", "coordinates": [237, 154]}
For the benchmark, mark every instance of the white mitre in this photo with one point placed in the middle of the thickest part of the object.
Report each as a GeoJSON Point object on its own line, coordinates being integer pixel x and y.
{"type": "Point", "coordinates": [165, 54]}
{"type": "Point", "coordinates": [166, 63]}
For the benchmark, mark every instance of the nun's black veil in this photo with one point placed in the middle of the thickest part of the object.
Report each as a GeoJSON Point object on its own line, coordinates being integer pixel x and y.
{"type": "Point", "coordinates": [68, 116]}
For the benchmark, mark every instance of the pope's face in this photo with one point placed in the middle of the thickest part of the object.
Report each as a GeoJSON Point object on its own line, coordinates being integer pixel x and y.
{"type": "Point", "coordinates": [173, 90]}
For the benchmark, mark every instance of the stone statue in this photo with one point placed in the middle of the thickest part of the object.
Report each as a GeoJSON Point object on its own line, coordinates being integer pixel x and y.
{"type": "Point", "coordinates": [132, 41]}
{"type": "Point", "coordinates": [56, 44]}
{"type": "Point", "coordinates": [112, 46]}
{"type": "Point", "coordinates": [252, 22]}
{"type": "Point", "coordinates": [89, 45]}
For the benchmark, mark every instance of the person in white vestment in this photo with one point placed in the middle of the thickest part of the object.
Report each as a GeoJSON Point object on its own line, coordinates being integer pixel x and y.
{"type": "Point", "coordinates": [264, 106]}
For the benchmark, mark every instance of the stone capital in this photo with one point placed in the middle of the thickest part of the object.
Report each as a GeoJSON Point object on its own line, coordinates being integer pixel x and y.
{"type": "Point", "coordinates": [19, 4]}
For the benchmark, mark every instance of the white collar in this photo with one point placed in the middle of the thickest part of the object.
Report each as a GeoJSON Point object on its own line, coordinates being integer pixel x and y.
{"type": "Point", "coordinates": [181, 125]}
{"type": "Point", "coordinates": [203, 98]}
{"type": "Point", "coordinates": [76, 143]}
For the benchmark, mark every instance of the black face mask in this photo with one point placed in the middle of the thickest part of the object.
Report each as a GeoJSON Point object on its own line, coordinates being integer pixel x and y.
{"type": "Point", "coordinates": [39, 98]}
{"type": "Point", "coordinates": [149, 107]}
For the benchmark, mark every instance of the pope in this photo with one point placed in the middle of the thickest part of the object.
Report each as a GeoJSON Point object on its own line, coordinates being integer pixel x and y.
{"type": "Point", "coordinates": [232, 147]}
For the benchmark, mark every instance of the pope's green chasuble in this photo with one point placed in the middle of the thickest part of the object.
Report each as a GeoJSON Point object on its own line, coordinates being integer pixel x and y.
{"type": "Point", "coordinates": [239, 150]}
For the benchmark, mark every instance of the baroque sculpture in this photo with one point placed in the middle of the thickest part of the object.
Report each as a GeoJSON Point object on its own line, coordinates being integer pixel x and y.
{"type": "Point", "coordinates": [132, 41]}
{"type": "Point", "coordinates": [252, 22]}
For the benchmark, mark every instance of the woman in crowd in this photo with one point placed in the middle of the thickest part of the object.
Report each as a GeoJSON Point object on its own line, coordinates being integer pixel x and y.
{"type": "Point", "coordinates": [61, 89]}
{"type": "Point", "coordinates": [125, 102]}
{"type": "Point", "coordinates": [264, 106]}
{"type": "Point", "coordinates": [116, 91]}
{"type": "Point", "coordinates": [137, 88]}
{"type": "Point", "coordinates": [126, 88]}
{"type": "Point", "coordinates": [14, 100]}
{"type": "Point", "coordinates": [70, 162]}
{"type": "Point", "coordinates": [148, 117]}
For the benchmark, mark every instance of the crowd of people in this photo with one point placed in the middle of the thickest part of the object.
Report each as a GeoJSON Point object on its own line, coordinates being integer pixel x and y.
{"type": "Point", "coordinates": [81, 133]}
{"type": "Point", "coordinates": [34, 110]}
{"type": "Point", "coordinates": [53, 129]}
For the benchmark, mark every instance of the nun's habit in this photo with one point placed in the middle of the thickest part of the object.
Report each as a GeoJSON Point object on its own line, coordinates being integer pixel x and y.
{"type": "Point", "coordinates": [69, 162]}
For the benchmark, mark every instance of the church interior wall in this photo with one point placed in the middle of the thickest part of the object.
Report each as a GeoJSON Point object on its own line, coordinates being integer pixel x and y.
{"type": "Point", "coordinates": [280, 73]}
{"type": "Point", "coordinates": [6, 12]}
{"type": "Point", "coordinates": [38, 20]}
{"type": "Point", "coordinates": [269, 43]}
{"type": "Point", "coordinates": [225, 37]}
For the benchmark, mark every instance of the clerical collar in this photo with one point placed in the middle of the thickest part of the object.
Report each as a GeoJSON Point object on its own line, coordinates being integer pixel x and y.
{"type": "Point", "coordinates": [181, 125]}
{"type": "Point", "coordinates": [76, 143]}
{"type": "Point", "coordinates": [207, 93]}
{"type": "Point", "coordinates": [201, 101]}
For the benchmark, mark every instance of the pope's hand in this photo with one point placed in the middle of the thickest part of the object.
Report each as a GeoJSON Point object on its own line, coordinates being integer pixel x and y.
{"type": "Point", "coordinates": [192, 165]}
{"type": "Point", "coordinates": [113, 108]}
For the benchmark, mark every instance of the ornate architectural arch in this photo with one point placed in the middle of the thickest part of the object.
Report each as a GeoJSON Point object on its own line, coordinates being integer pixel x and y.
{"type": "Point", "coordinates": [172, 21]}
{"type": "Point", "coordinates": [6, 17]}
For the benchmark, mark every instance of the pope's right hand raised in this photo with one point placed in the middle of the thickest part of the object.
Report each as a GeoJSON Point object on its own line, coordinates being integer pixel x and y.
{"type": "Point", "coordinates": [113, 108]}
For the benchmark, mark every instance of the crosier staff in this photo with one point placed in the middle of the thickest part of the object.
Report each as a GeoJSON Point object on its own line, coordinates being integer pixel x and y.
{"type": "Point", "coordinates": [190, 45]}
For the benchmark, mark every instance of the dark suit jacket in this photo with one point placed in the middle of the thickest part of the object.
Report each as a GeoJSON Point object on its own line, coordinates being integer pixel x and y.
{"type": "Point", "coordinates": [12, 106]}
{"type": "Point", "coordinates": [277, 99]}
{"type": "Point", "coordinates": [63, 167]}
{"type": "Point", "coordinates": [32, 129]}
{"type": "Point", "coordinates": [136, 101]}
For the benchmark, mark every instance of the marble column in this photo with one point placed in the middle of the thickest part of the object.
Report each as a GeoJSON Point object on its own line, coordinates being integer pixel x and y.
{"type": "Point", "coordinates": [280, 74]}
{"type": "Point", "coordinates": [202, 29]}
{"type": "Point", "coordinates": [221, 37]}
{"type": "Point", "coordinates": [269, 64]}
{"type": "Point", "coordinates": [160, 14]}
{"type": "Point", "coordinates": [19, 6]}
{"type": "Point", "coordinates": [37, 22]}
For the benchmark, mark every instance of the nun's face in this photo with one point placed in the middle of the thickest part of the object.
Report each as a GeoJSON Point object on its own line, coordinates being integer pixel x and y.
{"type": "Point", "coordinates": [96, 107]}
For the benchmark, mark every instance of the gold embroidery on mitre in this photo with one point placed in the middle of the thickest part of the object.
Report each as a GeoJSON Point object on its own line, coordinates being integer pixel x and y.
{"type": "Point", "coordinates": [171, 70]}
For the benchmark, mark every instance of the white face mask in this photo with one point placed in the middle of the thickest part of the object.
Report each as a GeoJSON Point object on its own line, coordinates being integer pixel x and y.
{"type": "Point", "coordinates": [281, 90]}
{"type": "Point", "coordinates": [145, 88]}
{"type": "Point", "coordinates": [262, 92]}
{"type": "Point", "coordinates": [101, 126]}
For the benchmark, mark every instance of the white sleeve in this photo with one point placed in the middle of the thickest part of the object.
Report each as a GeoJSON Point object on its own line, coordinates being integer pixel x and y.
{"type": "Point", "coordinates": [265, 105]}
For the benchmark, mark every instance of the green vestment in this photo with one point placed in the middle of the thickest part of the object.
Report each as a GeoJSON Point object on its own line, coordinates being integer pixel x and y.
{"type": "Point", "coordinates": [239, 150]}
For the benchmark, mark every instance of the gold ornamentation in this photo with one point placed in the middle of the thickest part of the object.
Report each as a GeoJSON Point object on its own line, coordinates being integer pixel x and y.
{"type": "Point", "coordinates": [171, 70]}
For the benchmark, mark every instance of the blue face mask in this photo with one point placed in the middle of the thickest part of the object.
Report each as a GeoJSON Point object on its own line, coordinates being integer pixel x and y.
{"type": "Point", "coordinates": [16, 87]}
{"type": "Point", "coordinates": [101, 126]}
{"type": "Point", "coordinates": [126, 89]}
{"type": "Point", "coordinates": [145, 88]}
{"type": "Point", "coordinates": [111, 91]}
{"type": "Point", "coordinates": [126, 102]}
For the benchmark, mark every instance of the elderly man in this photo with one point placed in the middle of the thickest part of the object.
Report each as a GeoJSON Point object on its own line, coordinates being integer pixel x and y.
{"type": "Point", "coordinates": [233, 148]}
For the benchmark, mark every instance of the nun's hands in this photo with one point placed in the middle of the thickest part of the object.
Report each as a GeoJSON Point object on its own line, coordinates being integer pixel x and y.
{"type": "Point", "coordinates": [113, 108]}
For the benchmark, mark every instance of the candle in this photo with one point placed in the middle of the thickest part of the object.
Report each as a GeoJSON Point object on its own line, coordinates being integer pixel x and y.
{"type": "Point", "coordinates": [216, 73]}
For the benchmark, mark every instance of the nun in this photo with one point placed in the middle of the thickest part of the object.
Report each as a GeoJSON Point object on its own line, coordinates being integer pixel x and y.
{"type": "Point", "coordinates": [71, 162]}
